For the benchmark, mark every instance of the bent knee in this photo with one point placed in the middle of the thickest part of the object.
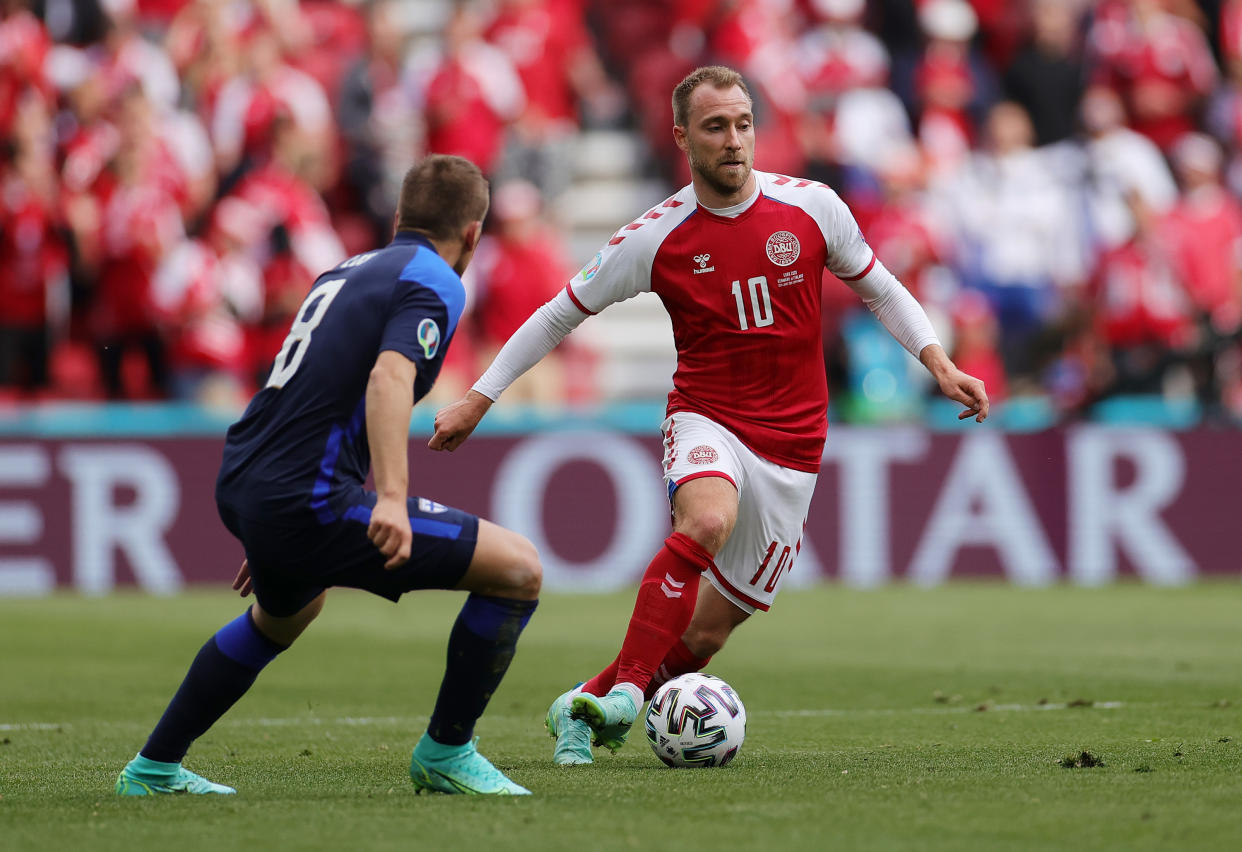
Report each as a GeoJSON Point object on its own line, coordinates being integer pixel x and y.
{"type": "Point", "coordinates": [524, 572]}
{"type": "Point", "coordinates": [709, 529]}
{"type": "Point", "coordinates": [704, 641]}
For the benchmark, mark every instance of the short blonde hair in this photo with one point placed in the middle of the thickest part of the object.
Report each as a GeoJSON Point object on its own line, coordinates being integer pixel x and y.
{"type": "Point", "coordinates": [716, 75]}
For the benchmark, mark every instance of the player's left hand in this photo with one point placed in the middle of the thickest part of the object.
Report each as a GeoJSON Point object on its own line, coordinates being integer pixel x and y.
{"type": "Point", "coordinates": [389, 531]}
{"type": "Point", "coordinates": [969, 391]}
{"type": "Point", "coordinates": [242, 582]}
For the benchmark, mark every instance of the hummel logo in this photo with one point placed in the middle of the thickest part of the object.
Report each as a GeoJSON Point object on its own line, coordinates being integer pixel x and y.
{"type": "Point", "coordinates": [701, 260]}
{"type": "Point", "coordinates": [675, 591]}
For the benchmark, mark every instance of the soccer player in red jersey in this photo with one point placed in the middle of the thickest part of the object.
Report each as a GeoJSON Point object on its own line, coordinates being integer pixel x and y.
{"type": "Point", "coordinates": [737, 258]}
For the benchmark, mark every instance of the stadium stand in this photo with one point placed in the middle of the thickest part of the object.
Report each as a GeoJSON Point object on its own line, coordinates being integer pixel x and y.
{"type": "Point", "coordinates": [1056, 180]}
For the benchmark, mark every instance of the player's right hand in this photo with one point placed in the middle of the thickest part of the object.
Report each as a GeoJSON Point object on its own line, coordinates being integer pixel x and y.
{"type": "Point", "coordinates": [389, 531]}
{"type": "Point", "coordinates": [456, 421]}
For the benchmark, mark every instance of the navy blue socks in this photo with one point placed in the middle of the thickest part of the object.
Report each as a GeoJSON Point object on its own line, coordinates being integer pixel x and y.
{"type": "Point", "coordinates": [480, 648]}
{"type": "Point", "coordinates": [221, 673]}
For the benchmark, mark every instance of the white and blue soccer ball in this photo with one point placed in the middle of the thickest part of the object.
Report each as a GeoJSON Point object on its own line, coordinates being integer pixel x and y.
{"type": "Point", "coordinates": [696, 720]}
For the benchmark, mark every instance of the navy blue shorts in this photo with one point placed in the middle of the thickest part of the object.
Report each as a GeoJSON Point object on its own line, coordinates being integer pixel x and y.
{"type": "Point", "coordinates": [290, 565]}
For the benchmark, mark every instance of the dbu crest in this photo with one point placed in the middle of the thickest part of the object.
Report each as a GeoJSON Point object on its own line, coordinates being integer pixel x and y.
{"type": "Point", "coordinates": [783, 248]}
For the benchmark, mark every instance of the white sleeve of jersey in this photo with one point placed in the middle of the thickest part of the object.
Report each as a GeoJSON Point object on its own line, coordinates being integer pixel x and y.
{"type": "Point", "coordinates": [622, 269]}
{"type": "Point", "coordinates": [895, 308]}
{"type": "Point", "coordinates": [536, 337]}
{"type": "Point", "coordinates": [848, 253]}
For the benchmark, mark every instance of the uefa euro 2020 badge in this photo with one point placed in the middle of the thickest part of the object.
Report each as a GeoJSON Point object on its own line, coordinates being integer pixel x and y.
{"type": "Point", "coordinates": [429, 337]}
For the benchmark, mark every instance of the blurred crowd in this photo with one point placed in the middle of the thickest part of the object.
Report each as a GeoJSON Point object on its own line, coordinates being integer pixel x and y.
{"type": "Point", "coordinates": [1056, 180]}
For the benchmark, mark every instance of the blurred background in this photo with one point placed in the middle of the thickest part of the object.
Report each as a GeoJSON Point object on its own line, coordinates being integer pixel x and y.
{"type": "Point", "coordinates": [1057, 181]}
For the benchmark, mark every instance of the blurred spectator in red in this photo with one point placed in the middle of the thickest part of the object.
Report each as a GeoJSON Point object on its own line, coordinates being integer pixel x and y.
{"type": "Point", "coordinates": [203, 42]}
{"type": "Point", "coordinates": [516, 270]}
{"type": "Point", "coordinates": [904, 231]}
{"type": "Point", "coordinates": [140, 196]}
{"type": "Point", "coordinates": [24, 46]}
{"type": "Point", "coordinates": [1048, 75]}
{"type": "Point", "coordinates": [33, 257]}
{"type": "Point", "coordinates": [1206, 227]}
{"type": "Point", "coordinates": [1140, 308]}
{"type": "Point", "coordinates": [377, 119]}
{"type": "Point", "coordinates": [852, 120]}
{"type": "Point", "coordinates": [837, 54]}
{"type": "Point", "coordinates": [208, 355]}
{"type": "Point", "coordinates": [548, 44]}
{"type": "Point", "coordinates": [267, 87]}
{"type": "Point", "coordinates": [953, 85]}
{"type": "Point", "coordinates": [297, 220]}
{"type": "Point", "coordinates": [333, 37]}
{"type": "Point", "coordinates": [1205, 231]}
{"type": "Point", "coordinates": [1120, 163]}
{"type": "Point", "coordinates": [473, 95]}
{"type": "Point", "coordinates": [128, 56]}
{"type": "Point", "coordinates": [1160, 63]}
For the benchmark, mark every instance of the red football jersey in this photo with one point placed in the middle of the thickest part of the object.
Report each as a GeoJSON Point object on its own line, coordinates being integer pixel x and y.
{"type": "Point", "coordinates": [743, 294]}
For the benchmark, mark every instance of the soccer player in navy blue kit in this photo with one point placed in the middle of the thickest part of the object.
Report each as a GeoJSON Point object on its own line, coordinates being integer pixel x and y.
{"type": "Point", "coordinates": [366, 345]}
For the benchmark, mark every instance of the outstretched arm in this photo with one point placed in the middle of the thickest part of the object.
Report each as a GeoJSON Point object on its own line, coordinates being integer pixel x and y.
{"type": "Point", "coordinates": [389, 401]}
{"type": "Point", "coordinates": [906, 320]}
{"type": "Point", "coordinates": [536, 337]}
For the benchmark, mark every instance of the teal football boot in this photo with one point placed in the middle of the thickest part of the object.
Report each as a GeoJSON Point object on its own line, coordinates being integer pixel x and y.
{"type": "Point", "coordinates": [458, 769]}
{"type": "Point", "coordinates": [143, 777]}
{"type": "Point", "coordinates": [609, 717]}
{"type": "Point", "coordinates": [573, 736]}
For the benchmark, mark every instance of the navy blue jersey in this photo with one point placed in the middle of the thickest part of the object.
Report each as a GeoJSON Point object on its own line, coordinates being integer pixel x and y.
{"type": "Point", "coordinates": [303, 438]}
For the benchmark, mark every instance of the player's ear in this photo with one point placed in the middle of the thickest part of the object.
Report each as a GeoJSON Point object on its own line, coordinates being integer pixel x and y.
{"type": "Point", "coordinates": [679, 136]}
{"type": "Point", "coordinates": [471, 236]}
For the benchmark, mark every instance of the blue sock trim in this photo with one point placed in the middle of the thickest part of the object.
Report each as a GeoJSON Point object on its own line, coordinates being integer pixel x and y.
{"type": "Point", "coordinates": [488, 616]}
{"type": "Point", "coordinates": [241, 641]}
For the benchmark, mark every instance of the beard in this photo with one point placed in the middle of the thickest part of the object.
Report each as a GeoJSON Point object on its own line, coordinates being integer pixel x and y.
{"type": "Point", "coordinates": [722, 182]}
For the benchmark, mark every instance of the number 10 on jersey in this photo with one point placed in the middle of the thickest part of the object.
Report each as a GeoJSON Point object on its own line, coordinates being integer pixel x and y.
{"type": "Point", "coordinates": [760, 302]}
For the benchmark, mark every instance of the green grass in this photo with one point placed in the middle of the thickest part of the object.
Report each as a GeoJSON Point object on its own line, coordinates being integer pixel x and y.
{"type": "Point", "coordinates": [952, 718]}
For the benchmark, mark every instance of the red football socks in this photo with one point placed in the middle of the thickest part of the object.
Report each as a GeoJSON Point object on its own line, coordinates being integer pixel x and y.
{"type": "Point", "coordinates": [678, 661]}
{"type": "Point", "coordinates": [666, 599]}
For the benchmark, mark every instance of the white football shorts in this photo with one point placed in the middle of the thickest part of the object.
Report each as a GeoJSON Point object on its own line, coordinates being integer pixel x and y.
{"type": "Point", "coordinates": [771, 512]}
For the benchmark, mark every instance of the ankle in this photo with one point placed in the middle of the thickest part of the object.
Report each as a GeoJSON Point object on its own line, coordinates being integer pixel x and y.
{"type": "Point", "coordinates": [147, 766]}
{"type": "Point", "coordinates": [632, 690]}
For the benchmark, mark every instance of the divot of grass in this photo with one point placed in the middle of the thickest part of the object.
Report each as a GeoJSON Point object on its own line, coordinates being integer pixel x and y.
{"type": "Point", "coordinates": [1081, 702]}
{"type": "Point", "coordinates": [1082, 760]}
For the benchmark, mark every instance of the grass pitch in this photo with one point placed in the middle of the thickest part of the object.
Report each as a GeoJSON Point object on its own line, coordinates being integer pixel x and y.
{"type": "Point", "coordinates": [963, 717]}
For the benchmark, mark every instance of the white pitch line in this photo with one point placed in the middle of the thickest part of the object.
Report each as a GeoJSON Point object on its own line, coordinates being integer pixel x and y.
{"type": "Point", "coordinates": [935, 711]}
{"type": "Point", "coordinates": [31, 726]}
{"type": "Point", "coordinates": [369, 721]}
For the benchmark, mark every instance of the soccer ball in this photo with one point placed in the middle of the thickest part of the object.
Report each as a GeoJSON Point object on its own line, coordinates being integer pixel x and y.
{"type": "Point", "coordinates": [695, 720]}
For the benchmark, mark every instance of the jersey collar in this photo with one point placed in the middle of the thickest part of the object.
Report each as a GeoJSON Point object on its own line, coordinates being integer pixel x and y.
{"type": "Point", "coordinates": [407, 238]}
{"type": "Point", "coordinates": [734, 209]}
